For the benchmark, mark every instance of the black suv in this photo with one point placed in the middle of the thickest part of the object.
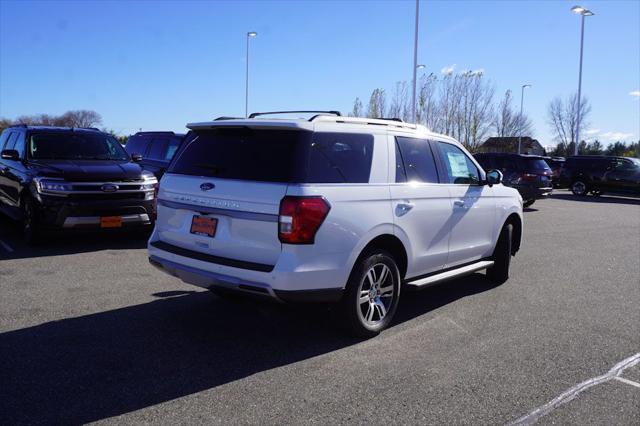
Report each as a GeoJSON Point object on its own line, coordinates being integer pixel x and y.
{"type": "Point", "coordinates": [63, 178]}
{"type": "Point", "coordinates": [156, 148]}
{"type": "Point", "coordinates": [596, 174]}
{"type": "Point", "coordinates": [529, 174]}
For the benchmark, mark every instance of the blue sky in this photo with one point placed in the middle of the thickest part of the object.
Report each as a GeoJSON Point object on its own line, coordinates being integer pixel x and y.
{"type": "Point", "coordinates": [161, 64]}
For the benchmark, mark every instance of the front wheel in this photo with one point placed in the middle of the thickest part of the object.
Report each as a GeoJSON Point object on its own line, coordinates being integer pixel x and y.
{"type": "Point", "coordinates": [30, 226]}
{"type": "Point", "coordinates": [372, 293]}
{"type": "Point", "coordinates": [499, 272]}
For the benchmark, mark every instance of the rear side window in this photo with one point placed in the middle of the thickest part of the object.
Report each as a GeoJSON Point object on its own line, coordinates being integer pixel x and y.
{"type": "Point", "coordinates": [172, 147]}
{"type": "Point", "coordinates": [338, 158]}
{"type": "Point", "coordinates": [268, 155]}
{"type": "Point", "coordinates": [460, 169]}
{"type": "Point", "coordinates": [419, 164]}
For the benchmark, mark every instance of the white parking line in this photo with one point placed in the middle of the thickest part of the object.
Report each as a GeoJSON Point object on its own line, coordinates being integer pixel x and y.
{"type": "Point", "coordinates": [627, 381]}
{"type": "Point", "coordinates": [6, 246]}
{"type": "Point", "coordinates": [573, 392]}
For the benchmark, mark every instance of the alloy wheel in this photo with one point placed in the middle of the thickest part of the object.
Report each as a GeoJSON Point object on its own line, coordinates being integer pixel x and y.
{"type": "Point", "coordinates": [376, 293]}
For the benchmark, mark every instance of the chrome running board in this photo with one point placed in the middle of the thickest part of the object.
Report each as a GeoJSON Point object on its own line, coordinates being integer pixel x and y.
{"type": "Point", "coordinates": [450, 274]}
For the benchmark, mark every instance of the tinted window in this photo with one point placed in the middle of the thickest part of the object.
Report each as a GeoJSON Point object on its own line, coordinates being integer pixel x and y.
{"type": "Point", "coordinates": [172, 147]}
{"type": "Point", "coordinates": [419, 164]}
{"type": "Point", "coordinates": [157, 149]}
{"type": "Point", "coordinates": [11, 140]}
{"type": "Point", "coordinates": [137, 145]}
{"type": "Point", "coordinates": [339, 158]}
{"type": "Point", "coordinates": [240, 153]}
{"type": "Point", "coordinates": [460, 169]}
{"type": "Point", "coordinates": [537, 164]}
{"type": "Point", "coordinates": [276, 156]}
{"type": "Point", "coordinates": [74, 146]}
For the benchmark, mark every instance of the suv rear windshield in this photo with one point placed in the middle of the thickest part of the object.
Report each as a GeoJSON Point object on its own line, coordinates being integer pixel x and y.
{"type": "Point", "coordinates": [536, 164]}
{"type": "Point", "coordinates": [269, 155]}
{"type": "Point", "coordinates": [75, 146]}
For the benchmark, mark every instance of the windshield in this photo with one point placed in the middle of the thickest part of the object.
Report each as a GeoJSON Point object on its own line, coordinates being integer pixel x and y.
{"type": "Point", "coordinates": [75, 146]}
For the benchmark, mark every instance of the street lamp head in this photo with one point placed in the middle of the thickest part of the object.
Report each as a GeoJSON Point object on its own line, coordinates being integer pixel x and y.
{"type": "Point", "coordinates": [252, 34]}
{"type": "Point", "coordinates": [582, 11]}
{"type": "Point", "coordinates": [524, 86]}
{"type": "Point", "coordinates": [420, 66]}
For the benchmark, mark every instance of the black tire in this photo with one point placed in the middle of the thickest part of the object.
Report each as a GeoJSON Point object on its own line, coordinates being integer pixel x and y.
{"type": "Point", "coordinates": [31, 229]}
{"type": "Point", "coordinates": [368, 318]}
{"type": "Point", "coordinates": [579, 187]}
{"type": "Point", "coordinates": [499, 272]}
{"type": "Point", "coordinates": [528, 203]}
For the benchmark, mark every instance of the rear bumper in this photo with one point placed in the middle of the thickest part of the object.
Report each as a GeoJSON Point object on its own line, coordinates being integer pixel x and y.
{"type": "Point", "coordinates": [219, 281]}
{"type": "Point", "coordinates": [533, 193]}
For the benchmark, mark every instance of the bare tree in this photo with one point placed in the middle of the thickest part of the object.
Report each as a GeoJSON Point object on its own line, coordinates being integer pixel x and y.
{"type": "Point", "coordinates": [377, 104]}
{"type": "Point", "coordinates": [427, 109]}
{"type": "Point", "coordinates": [563, 116]}
{"type": "Point", "coordinates": [357, 108]}
{"type": "Point", "coordinates": [400, 104]}
{"type": "Point", "coordinates": [509, 123]}
{"type": "Point", "coordinates": [81, 118]}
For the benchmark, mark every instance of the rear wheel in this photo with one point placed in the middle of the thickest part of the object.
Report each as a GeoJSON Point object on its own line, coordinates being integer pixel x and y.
{"type": "Point", "coordinates": [499, 272]}
{"type": "Point", "coordinates": [372, 293]}
{"type": "Point", "coordinates": [579, 187]}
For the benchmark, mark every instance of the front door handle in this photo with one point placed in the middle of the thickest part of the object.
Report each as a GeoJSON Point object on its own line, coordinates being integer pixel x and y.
{"type": "Point", "coordinates": [404, 207]}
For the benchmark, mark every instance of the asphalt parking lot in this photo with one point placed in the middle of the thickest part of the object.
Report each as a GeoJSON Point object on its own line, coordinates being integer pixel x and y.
{"type": "Point", "coordinates": [89, 331]}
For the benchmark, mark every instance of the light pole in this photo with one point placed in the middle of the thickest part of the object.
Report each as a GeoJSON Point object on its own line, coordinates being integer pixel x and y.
{"type": "Point", "coordinates": [415, 64]}
{"type": "Point", "coordinates": [584, 12]}
{"type": "Point", "coordinates": [250, 34]}
{"type": "Point", "coordinates": [524, 86]}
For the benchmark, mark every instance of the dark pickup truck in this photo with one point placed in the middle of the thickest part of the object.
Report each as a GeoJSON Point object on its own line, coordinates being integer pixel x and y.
{"type": "Point", "coordinates": [54, 178]}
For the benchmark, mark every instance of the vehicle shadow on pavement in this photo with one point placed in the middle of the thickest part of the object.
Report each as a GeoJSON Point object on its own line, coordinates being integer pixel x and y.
{"type": "Point", "coordinates": [600, 199]}
{"type": "Point", "coordinates": [67, 243]}
{"type": "Point", "coordinates": [93, 367]}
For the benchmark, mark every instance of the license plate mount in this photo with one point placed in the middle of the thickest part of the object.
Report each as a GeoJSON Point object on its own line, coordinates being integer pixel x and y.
{"type": "Point", "coordinates": [111, 222]}
{"type": "Point", "coordinates": [204, 225]}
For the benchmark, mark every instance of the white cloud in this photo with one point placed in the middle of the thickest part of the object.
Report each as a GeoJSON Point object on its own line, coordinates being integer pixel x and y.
{"type": "Point", "coordinates": [635, 93]}
{"type": "Point", "coordinates": [592, 131]}
{"type": "Point", "coordinates": [448, 70]}
{"type": "Point", "coordinates": [615, 136]}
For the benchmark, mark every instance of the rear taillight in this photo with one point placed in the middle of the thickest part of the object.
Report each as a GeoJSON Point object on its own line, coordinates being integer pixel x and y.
{"type": "Point", "coordinates": [528, 176]}
{"type": "Point", "coordinates": [300, 218]}
{"type": "Point", "coordinates": [154, 213]}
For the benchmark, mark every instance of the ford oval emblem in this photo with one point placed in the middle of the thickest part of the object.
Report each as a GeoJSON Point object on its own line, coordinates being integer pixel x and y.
{"type": "Point", "coordinates": [207, 186]}
{"type": "Point", "coordinates": [109, 187]}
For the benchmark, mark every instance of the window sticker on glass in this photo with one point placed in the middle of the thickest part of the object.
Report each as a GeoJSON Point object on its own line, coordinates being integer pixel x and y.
{"type": "Point", "coordinates": [458, 164]}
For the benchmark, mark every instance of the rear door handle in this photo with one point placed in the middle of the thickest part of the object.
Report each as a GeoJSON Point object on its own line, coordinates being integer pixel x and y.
{"type": "Point", "coordinates": [458, 203]}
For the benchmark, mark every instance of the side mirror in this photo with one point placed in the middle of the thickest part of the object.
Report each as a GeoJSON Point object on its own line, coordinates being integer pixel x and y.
{"type": "Point", "coordinates": [10, 154]}
{"type": "Point", "coordinates": [136, 158]}
{"type": "Point", "coordinates": [494, 177]}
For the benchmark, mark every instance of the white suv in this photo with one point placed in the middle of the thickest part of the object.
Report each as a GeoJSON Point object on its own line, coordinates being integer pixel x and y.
{"type": "Point", "coordinates": [331, 209]}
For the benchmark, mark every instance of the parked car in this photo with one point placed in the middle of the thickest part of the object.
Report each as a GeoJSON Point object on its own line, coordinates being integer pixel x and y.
{"type": "Point", "coordinates": [54, 178]}
{"type": "Point", "coordinates": [529, 174]}
{"type": "Point", "coordinates": [555, 163]}
{"type": "Point", "coordinates": [330, 209]}
{"type": "Point", "coordinates": [596, 174]}
{"type": "Point", "coordinates": [156, 148]}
